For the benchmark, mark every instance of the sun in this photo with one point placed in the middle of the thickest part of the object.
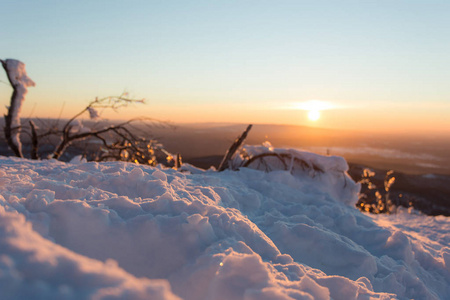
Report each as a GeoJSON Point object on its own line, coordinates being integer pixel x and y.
{"type": "Point", "coordinates": [314, 115]}
{"type": "Point", "coordinates": [313, 108]}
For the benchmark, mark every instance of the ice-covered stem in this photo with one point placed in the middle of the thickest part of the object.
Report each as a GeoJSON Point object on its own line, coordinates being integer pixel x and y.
{"type": "Point", "coordinates": [283, 158]}
{"type": "Point", "coordinates": [389, 180]}
{"type": "Point", "coordinates": [119, 130]}
{"type": "Point", "coordinates": [19, 81]}
{"type": "Point", "coordinates": [233, 148]}
{"type": "Point", "coordinates": [69, 139]}
{"type": "Point", "coordinates": [113, 102]}
{"type": "Point", "coordinates": [34, 141]}
{"type": "Point", "coordinates": [178, 161]}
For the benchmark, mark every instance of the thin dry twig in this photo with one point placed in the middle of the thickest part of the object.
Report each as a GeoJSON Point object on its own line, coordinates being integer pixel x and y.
{"type": "Point", "coordinates": [233, 148]}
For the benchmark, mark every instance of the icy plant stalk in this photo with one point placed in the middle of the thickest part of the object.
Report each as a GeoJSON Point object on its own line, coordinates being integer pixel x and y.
{"type": "Point", "coordinates": [373, 200]}
{"type": "Point", "coordinates": [20, 81]}
{"type": "Point", "coordinates": [388, 182]}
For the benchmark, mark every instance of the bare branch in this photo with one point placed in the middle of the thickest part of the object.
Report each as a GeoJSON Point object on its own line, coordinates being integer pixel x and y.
{"type": "Point", "coordinates": [129, 144]}
{"type": "Point", "coordinates": [233, 148]}
{"type": "Point", "coordinates": [282, 158]}
{"type": "Point", "coordinates": [34, 141]}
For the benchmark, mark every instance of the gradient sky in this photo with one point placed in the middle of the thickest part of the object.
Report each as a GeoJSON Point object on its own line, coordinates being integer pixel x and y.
{"type": "Point", "coordinates": [379, 64]}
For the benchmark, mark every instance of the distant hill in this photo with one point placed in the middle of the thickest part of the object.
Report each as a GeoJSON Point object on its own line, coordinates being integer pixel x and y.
{"type": "Point", "coordinates": [410, 154]}
{"type": "Point", "coordinates": [407, 153]}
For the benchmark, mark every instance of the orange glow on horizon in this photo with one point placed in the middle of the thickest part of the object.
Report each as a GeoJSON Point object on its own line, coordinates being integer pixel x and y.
{"type": "Point", "coordinates": [375, 118]}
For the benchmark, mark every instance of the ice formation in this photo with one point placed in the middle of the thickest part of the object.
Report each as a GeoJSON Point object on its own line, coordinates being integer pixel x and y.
{"type": "Point", "coordinates": [20, 81]}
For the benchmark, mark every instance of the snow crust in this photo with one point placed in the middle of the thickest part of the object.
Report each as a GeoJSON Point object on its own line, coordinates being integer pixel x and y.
{"type": "Point", "coordinates": [116, 230]}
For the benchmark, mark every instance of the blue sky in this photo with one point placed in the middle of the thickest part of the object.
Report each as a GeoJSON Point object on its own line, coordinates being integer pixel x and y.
{"type": "Point", "coordinates": [382, 64]}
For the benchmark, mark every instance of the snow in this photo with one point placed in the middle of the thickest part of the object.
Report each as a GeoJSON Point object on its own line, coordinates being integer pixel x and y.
{"type": "Point", "coordinates": [117, 230]}
{"type": "Point", "coordinates": [77, 127]}
{"type": "Point", "coordinates": [93, 113]}
{"type": "Point", "coordinates": [78, 159]}
{"type": "Point", "coordinates": [20, 80]}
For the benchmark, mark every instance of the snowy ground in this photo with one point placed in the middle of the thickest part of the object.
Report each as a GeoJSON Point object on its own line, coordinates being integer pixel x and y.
{"type": "Point", "coordinates": [122, 231]}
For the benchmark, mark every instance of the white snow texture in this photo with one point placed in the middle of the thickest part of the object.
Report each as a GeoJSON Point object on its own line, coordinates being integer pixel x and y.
{"type": "Point", "coordinates": [117, 230]}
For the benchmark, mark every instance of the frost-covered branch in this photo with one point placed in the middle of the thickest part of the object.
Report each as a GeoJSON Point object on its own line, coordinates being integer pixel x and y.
{"type": "Point", "coordinates": [19, 81]}
{"type": "Point", "coordinates": [113, 102]}
{"type": "Point", "coordinates": [34, 141]}
{"type": "Point", "coordinates": [68, 138]}
{"type": "Point", "coordinates": [120, 141]}
{"type": "Point", "coordinates": [128, 145]}
{"type": "Point", "coordinates": [73, 130]}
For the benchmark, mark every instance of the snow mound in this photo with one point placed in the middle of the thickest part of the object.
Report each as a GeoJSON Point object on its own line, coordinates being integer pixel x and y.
{"type": "Point", "coordinates": [116, 230]}
{"type": "Point", "coordinates": [306, 168]}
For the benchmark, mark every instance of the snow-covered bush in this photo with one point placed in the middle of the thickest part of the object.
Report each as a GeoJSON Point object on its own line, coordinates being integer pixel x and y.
{"type": "Point", "coordinates": [303, 166]}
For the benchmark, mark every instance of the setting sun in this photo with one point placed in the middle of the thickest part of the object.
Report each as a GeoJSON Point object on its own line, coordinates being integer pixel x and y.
{"type": "Point", "coordinates": [314, 115]}
{"type": "Point", "coordinates": [313, 108]}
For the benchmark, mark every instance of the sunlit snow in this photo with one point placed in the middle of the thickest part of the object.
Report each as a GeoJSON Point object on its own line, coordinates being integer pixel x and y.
{"type": "Point", "coordinates": [116, 230]}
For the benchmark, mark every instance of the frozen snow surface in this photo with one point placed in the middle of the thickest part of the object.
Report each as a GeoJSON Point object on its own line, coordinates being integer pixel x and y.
{"type": "Point", "coordinates": [121, 231]}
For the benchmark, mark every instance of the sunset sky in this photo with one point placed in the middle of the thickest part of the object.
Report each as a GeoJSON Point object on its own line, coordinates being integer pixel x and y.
{"type": "Point", "coordinates": [369, 65]}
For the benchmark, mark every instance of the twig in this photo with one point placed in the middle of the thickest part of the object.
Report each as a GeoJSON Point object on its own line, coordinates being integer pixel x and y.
{"type": "Point", "coordinates": [233, 148]}
{"type": "Point", "coordinates": [34, 141]}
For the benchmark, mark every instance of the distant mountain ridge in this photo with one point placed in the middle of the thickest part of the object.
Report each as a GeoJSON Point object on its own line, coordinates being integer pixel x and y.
{"type": "Point", "coordinates": [410, 154]}
{"type": "Point", "coordinates": [414, 155]}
